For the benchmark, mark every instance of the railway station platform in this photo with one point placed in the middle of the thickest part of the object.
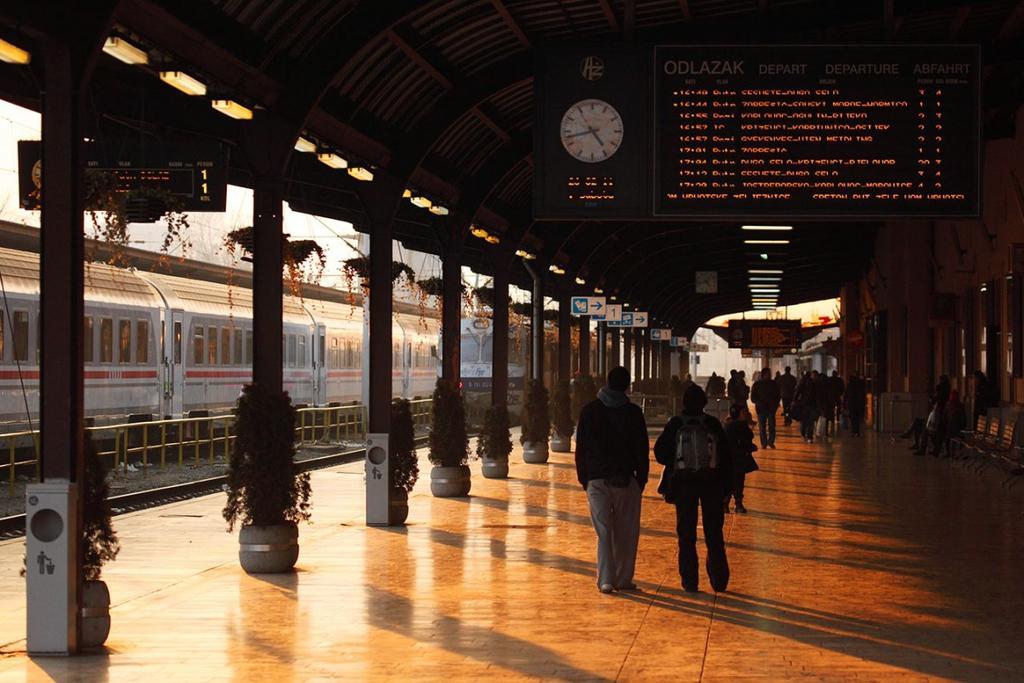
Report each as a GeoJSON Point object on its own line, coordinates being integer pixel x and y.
{"type": "Point", "coordinates": [856, 560]}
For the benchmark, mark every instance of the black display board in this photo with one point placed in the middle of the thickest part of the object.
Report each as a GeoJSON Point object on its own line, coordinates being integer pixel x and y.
{"type": "Point", "coordinates": [764, 334]}
{"type": "Point", "coordinates": [807, 131]}
{"type": "Point", "coordinates": [194, 173]}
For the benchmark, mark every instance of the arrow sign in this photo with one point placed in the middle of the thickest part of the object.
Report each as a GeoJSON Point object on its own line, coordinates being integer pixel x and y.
{"type": "Point", "coordinates": [587, 305]}
{"type": "Point", "coordinates": [639, 319]}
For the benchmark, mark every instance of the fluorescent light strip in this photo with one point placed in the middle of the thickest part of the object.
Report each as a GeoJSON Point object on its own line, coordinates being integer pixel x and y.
{"type": "Point", "coordinates": [765, 241]}
{"type": "Point", "coordinates": [305, 145]}
{"type": "Point", "coordinates": [179, 80]}
{"type": "Point", "coordinates": [122, 50]}
{"type": "Point", "coordinates": [774, 228]}
{"type": "Point", "coordinates": [232, 109]}
{"type": "Point", "coordinates": [12, 54]}
{"type": "Point", "coordinates": [755, 278]}
{"type": "Point", "coordinates": [764, 272]}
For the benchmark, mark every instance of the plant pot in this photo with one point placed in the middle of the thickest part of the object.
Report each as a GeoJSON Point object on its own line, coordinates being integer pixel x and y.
{"type": "Point", "coordinates": [95, 614]}
{"type": "Point", "coordinates": [535, 453]}
{"type": "Point", "coordinates": [494, 469]}
{"type": "Point", "coordinates": [561, 444]}
{"type": "Point", "coordinates": [268, 549]}
{"type": "Point", "coordinates": [450, 482]}
{"type": "Point", "coordinates": [398, 507]}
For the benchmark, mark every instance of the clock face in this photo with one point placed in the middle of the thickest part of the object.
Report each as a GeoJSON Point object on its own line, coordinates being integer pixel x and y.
{"type": "Point", "coordinates": [591, 131]}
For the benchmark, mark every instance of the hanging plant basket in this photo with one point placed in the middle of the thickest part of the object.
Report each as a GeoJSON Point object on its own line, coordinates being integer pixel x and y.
{"type": "Point", "coordinates": [359, 267]}
{"type": "Point", "coordinates": [434, 286]}
{"type": "Point", "coordinates": [522, 308]}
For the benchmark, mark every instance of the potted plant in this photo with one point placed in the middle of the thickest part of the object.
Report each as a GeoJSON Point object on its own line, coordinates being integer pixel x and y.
{"type": "Point", "coordinates": [495, 443]}
{"type": "Point", "coordinates": [100, 545]}
{"type": "Point", "coordinates": [267, 493]}
{"type": "Point", "coordinates": [402, 461]}
{"type": "Point", "coordinates": [584, 390]}
{"type": "Point", "coordinates": [536, 423]}
{"type": "Point", "coordinates": [561, 417]}
{"type": "Point", "coordinates": [449, 443]}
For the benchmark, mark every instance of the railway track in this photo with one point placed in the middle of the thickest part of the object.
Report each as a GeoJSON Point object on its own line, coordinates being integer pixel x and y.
{"type": "Point", "coordinates": [14, 526]}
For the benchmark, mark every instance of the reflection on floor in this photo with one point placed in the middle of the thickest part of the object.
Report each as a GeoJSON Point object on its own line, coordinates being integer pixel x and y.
{"type": "Point", "coordinates": [856, 560]}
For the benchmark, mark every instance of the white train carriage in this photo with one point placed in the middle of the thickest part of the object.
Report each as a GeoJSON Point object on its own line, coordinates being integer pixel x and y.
{"type": "Point", "coordinates": [165, 345]}
{"type": "Point", "coordinates": [121, 325]}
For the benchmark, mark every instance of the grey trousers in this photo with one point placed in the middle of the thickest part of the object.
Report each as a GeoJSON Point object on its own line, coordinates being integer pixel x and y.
{"type": "Point", "coordinates": [616, 516]}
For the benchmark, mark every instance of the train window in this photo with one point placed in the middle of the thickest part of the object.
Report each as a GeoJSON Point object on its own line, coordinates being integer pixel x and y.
{"type": "Point", "coordinates": [248, 347]}
{"type": "Point", "coordinates": [323, 349]}
{"type": "Point", "coordinates": [236, 357]}
{"type": "Point", "coordinates": [198, 345]}
{"type": "Point", "coordinates": [141, 341]}
{"type": "Point", "coordinates": [177, 341]}
{"type": "Point", "coordinates": [301, 355]}
{"type": "Point", "coordinates": [291, 350]}
{"type": "Point", "coordinates": [19, 335]}
{"type": "Point", "coordinates": [106, 340]}
{"type": "Point", "coordinates": [335, 361]}
{"type": "Point", "coordinates": [3, 325]}
{"type": "Point", "coordinates": [396, 357]}
{"type": "Point", "coordinates": [211, 345]}
{"type": "Point", "coordinates": [124, 338]}
{"type": "Point", "coordinates": [225, 346]}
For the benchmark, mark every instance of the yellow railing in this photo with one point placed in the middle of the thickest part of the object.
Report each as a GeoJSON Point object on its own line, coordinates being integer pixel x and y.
{"type": "Point", "coordinates": [194, 439]}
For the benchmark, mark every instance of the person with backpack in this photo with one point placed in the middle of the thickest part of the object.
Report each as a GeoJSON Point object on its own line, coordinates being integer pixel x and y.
{"type": "Point", "coordinates": [806, 401]}
{"type": "Point", "coordinates": [741, 441]}
{"type": "Point", "coordinates": [612, 465]}
{"type": "Point", "coordinates": [698, 471]}
{"type": "Point", "coordinates": [765, 396]}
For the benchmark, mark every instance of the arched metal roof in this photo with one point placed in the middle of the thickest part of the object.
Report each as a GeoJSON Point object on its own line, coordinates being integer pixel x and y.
{"type": "Point", "coordinates": [438, 96]}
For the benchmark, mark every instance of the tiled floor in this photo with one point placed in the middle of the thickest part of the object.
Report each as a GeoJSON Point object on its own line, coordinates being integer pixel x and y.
{"type": "Point", "coordinates": [857, 560]}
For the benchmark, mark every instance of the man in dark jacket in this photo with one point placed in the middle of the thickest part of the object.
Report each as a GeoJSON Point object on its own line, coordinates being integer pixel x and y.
{"type": "Point", "coordinates": [706, 488]}
{"type": "Point", "coordinates": [855, 399]}
{"type": "Point", "coordinates": [807, 399]}
{"type": "Point", "coordinates": [766, 397]}
{"type": "Point", "coordinates": [787, 390]}
{"type": "Point", "coordinates": [612, 464]}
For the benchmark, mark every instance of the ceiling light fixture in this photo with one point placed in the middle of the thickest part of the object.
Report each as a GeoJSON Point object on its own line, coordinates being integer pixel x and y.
{"type": "Point", "coordinates": [523, 254]}
{"type": "Point", "coordinates": [12, 54]}
{"type": "Point", "coordinates": [332, 160]}
{"type": "Point", "coordinates": [755, 278]}
{"type": "Point", "coordinates": [232, 109]}
{"type": "Point", "coordinates": [765, 241]}
{"type": "Point", "coordinates": [598, 290]}
{"type": "Point", "coordinates": [580, 281]}
{"type": "Point", "coordinates": [121, 49]}
{"type": "Point", "coordinates": [764, 257]}
{"type": "Point", "coordinates": [764, 272]}
{"type": "Point", "coordinates": [304, 145]}
{"type": "Point", "coordinates": [771, 228]}
{"type": "Point", "coordinates": [439, 210]}
{"type": "Point", "coordinates": [179, 80]}
{"type": "Point", "coordinates": [361, 173]}
{"type": "Point", "coordinates": [477, 231]}
{"type": "Point", "coordinates": [492, 239]}
{"type": "Point", "coordinates": [420, 201]}
{"type": "Point", "coordinates": [556, 269]}
{"type": "Point", "coordinates": [406, 194]}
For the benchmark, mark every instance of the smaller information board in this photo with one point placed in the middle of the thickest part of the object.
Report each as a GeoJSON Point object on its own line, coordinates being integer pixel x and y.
{"type": "Point", "coordinates": [764, 334]}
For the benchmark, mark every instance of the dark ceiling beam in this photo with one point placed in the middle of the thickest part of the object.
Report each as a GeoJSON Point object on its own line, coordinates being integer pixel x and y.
{"type": "Point", "coordinates": [511, 22]}
{"type": "Point", "coordinates": [762, 6]}
{"type": "Point", "coordinates": [684, 7]}
{"type": "Point", "coordinates": [890, 22]}
{"type": "Point", "coordinates": [609, 15]}
{"type": "Point", "coordinates": [1013, 24]}
{"type": "Point", "coordinates": [490, 123]}
{"type": "Point", "coordinates": [419, 60]}
{"type": "Point", "coordinates": [960, 17]}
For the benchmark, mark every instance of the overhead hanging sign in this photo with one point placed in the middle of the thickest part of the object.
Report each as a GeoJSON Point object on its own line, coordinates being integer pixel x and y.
{"type": "Point", "coordinates": [191, 174]}
{"type": "Point", "coordinates": [658, 334]}
{"type": "Point", "coordinates": [612, 313]}
{"type": "Point", "coordinates": [640, 318]}
{"type": "Point", "coordinates": [722, 131]}
{"type": "Point", "coordinates": [678, 342]}
{"type": "Point", "coordinates": [697, 348]}
{"type": "Point", "coordinates": [764, 334]}
{"type": "Point", "coordinates": [625, 320]}
{"type": "Point", "coordinates": [588, 305]}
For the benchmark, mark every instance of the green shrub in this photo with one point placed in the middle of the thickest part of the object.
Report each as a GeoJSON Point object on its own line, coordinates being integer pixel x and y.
{"type": "Point", "coordinates": [265, 487]}
{"type": "Point", "coordinates": [584, 390]}
{"type": "Point", "coordinates": [98, 536]}
{"type": "Point", "coordinates": [536, 419]}
{"type": "Point", "coordinates": [449, 442]}
{"type": "Point", "coordinates": [561, 413]}
{"type": "Point", "coordinates": [404, 465]}
{"type": "Point", "coordinates": [495, 441]}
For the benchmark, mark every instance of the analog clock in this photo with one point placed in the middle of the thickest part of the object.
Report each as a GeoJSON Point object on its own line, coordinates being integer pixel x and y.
{"type": "Point", "coordinates": [591, 131]}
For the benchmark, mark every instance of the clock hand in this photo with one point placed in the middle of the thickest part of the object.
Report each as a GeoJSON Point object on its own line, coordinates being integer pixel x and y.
{"type": "Point", "coordinates": [593, 131]}
{"type": "Point", "coordinates": [588, 131]}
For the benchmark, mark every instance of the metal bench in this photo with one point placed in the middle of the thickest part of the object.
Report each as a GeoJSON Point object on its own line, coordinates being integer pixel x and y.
{"type": "Point", "coordinates": [968, 438]}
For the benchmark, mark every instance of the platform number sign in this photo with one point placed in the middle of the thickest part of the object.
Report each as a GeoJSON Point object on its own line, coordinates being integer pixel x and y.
{"type": "Point", "coordinates": [661, 334]}
{"type": "Point", "coordinates": [612, 313]}
{"type": "Point", "coordinates": [588, 305]}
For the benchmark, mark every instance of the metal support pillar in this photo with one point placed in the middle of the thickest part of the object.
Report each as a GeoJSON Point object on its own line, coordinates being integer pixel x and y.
{"type": "Point", "coordinates": [613, 357]}
{"type": "Point", "coordinates": [451, 315]}
{"type": "Point", "coordinates": [641, 356]}
{"type": "Point", "coordinates": [267, 283]}
{"type": "Point", "coordinates": [564, 340]}
{"type": "Point", "coordinates": [584, 345]}
{"type": "Point", "coordinates": [537, 324]}
{"type": "Point", "coordinates": [61, 286]}
{"type": "Point", "coordinates": [499, 347]}
{"type": "Point", "coordinates": [627, 349]}
{"type": "Point", "coordinates": [638, 355]}
{"type": "Point", "coordinates": [602, 350]}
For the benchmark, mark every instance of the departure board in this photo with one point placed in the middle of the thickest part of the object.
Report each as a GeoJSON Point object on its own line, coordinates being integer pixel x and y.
{"type": "Point", "coordinates": [194, 173]}
{"type": "Point", "coordinates": [764, 334]}
{"type": "Point", "coordinates": [816, 131]}
{"type": "Point", "coordinates": [804, 131]}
